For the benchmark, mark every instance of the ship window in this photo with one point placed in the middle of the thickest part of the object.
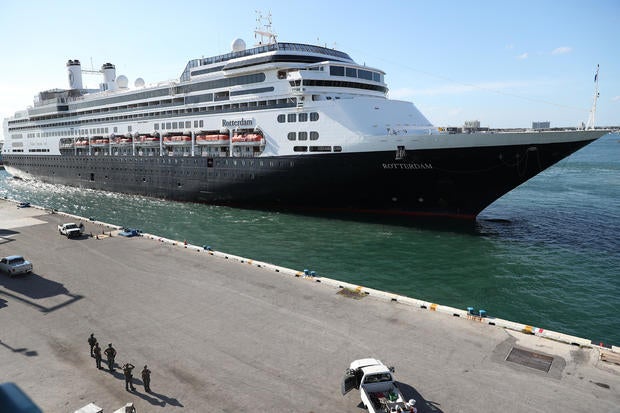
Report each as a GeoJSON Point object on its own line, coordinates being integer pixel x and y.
{"type": "Point", "coordinates": [376, 77]}
{"type": "Point", "coordinates": [281, 118]}
{"type": "Point", "coordinates": [364, 74]}
{"type": "Point", "coordinates": [336, 70]}
{"type": "Point", "coordinates": [201, 123]}
{"type": "Point", "coordinates": [221, 95]}
{"type": "Point", "coordinates": [156, 126]}
{"type": "Point", "coordinates": [168, 125]}
{"type": "Point", "coordinates": [314, 135]}
{"type": "Point", "coordinates": [303, 117]}
{"type": "Point", "coordinates": [303, 136]}
{"type": "Point", "coordinates": [320, 149]}
{"type": "Point", "coordinates": [351, 72]}
{"type": "Point", "coordinates": [188, 124]}
{"type": "Point", "coordinates": [292, 117]}
{"type": "Point", "coordinates": [292, 136]}
{"type": "Point", "coordinates": [314, 116]}
{"type": "Point", "coordinates": [337, 148]}
{"type": "Point", "coordinates": [174, 125]}
{"type": "Point", "coordinates": [300, 148]}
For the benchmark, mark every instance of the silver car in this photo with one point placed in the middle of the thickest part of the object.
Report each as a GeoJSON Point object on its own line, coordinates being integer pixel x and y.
{"type": "Point", "coordinates": [15, 264]}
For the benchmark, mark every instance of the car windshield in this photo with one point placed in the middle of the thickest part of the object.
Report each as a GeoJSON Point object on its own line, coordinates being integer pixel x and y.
{"type": "Point", "coordinates": [16, 261]}
{"type": "Point", "coordinates": [377, 378]}
{"type": "Point", "coordinates": [70, 226]}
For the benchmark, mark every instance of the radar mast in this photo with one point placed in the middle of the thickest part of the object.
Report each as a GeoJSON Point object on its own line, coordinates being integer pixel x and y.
{"type": "Point", "coordinates": [263, 29]}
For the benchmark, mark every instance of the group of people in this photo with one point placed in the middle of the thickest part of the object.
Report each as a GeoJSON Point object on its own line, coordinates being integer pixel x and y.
{"type": "Point", "coordinates": [110, 353]}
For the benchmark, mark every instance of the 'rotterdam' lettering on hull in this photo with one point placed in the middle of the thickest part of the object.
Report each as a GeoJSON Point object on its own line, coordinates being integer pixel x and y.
{"type": "Point", "coordinates": [407, 166]}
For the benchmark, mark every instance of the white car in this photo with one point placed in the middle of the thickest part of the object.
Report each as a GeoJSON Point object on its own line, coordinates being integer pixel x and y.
{"type": "Point", "coordinates": [15, 264]}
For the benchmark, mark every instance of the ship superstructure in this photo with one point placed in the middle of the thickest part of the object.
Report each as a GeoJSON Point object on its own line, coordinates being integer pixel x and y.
{"type": "Point", "coordinates": [282, 125]}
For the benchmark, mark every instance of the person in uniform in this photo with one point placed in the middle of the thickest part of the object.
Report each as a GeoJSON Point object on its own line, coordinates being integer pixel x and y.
{"type": "Point", "coordinates": [110, 353]}
{"type": "Point", "coordinates": [127, 371]}
{"type": "Point", "coordinates": [91, 342]}
{"type": "Point", "coordinates": [97, 351]}
{"type": "Point", "coordinates": [146, 379]}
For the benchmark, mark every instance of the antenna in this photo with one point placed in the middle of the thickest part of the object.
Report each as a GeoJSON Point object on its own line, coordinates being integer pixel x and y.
{"type": "Point", "coordinates": [263, 29]}
{"type": "Point", "coordinates": [590, 124]}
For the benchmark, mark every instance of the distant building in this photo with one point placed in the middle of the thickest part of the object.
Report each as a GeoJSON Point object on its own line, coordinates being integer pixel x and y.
{"type": "Point", "coordinates": [541, 125]}
{"type": "Point", "coordinates": [473, 126]}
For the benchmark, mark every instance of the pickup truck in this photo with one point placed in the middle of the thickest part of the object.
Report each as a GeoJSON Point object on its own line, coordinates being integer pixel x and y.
{"type": "Point", "coordinates": [70, 229]}
{"type": "Point", "coordinates": [15, 264]}
{"type": "Point", "coordinates": [378, 390]}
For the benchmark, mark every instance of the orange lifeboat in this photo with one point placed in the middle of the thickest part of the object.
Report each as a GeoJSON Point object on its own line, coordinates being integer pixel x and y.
{"type": "Point", "coordinates": [148, 140]}
{"type": "Point", "coordinates": [212, 139]}
{"type": "Point", "coordinates": [248, 138]}
{"type": "Point", "coordinates": [177, 139]}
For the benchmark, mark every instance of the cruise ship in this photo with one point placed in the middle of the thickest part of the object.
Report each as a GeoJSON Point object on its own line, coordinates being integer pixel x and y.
{"type": "Point", "coordinates": [278, 125]}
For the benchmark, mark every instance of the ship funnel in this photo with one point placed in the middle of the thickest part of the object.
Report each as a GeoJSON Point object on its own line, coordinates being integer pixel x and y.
{"type": "Point", "coordinates": [109, 76]}
{"type": "Point", "coordinates": [74, 69]}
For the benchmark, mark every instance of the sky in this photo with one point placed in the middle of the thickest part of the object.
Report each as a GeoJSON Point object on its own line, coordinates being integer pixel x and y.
{"type": "Point", "coordinates": [505, 63]}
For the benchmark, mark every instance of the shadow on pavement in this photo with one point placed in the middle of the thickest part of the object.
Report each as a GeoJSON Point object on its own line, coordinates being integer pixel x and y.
{"type": "Point", "coordinates": [33, 286]}
{"type": "Point", "coordinates": [23, 351]}
{"type": "Point", "coordinates": [155, 399]}
{"type": "Point", "coordinates": [5, 233]}
{"type": "Point", "coordinates": [36, 287]}
{"type": "Point", "coordinates": [423, 405]}
{"type": "Point", "coordinates": [166, 400]}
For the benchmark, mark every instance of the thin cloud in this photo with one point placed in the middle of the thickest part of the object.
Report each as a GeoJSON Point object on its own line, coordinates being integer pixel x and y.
{"type": "Point", "coordinates": [562, 50]}
{"type": "Point", "coordinates": [616, 98]}
{"type": "Point", "coordinates": [522, 56]}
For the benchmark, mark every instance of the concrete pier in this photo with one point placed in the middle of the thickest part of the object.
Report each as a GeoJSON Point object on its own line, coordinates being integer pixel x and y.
{"type": "Point", "coordinates": [222, 334]}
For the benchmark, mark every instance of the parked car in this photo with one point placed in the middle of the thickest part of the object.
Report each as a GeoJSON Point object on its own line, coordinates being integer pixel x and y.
{"type": "Point", "coordinates": [130, 232]}
{"type": "Point", "coordinates": [15, 264]}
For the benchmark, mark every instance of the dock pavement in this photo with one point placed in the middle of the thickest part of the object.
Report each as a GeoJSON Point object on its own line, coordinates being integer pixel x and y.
{"type": "Point", "coordinates": [220, 335]}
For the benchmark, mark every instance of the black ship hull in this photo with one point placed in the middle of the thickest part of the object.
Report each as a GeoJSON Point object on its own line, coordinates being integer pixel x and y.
{"type": "Point", "coordinates": [449, 183]}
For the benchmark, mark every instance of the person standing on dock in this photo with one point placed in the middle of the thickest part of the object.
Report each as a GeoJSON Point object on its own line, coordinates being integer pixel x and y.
{"type": "Point", "coordinates": [127, 371]}
{"type": "Point", "coordinates": [110, 353]}
{"type": "Point", "coordinates": [146, 379]}
{"type": "Point", "coordinates": [97, 351]}
{"type": "Point", "coordinates": [91, 342]}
